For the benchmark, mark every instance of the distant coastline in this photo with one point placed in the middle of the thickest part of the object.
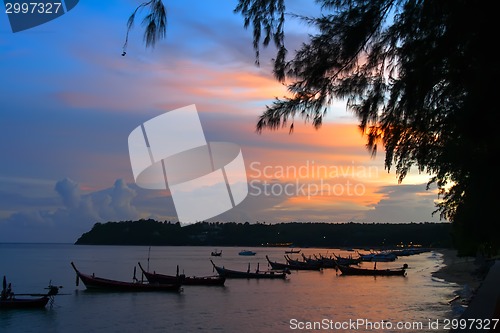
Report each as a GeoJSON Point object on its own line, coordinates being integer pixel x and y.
{"type": "Point", "coordinates": [300, 234]}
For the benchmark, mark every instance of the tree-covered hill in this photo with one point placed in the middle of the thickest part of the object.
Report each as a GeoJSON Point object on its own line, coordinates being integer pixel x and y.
{"type": "Point", "coordinates": [151, 232]}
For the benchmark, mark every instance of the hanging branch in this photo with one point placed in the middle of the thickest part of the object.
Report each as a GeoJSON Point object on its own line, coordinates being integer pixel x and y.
{"type": "Point", "coordinates": [155, 23]}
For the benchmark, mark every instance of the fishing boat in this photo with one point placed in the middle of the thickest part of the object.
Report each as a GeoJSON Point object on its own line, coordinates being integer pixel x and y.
{"type": "Point", "coordinates": [349, 270]}
{"type": "Point", "coordinates": [257, 274]}
{"type": "Point", "coordinates": [317, 262]}
{"type": "Point", "coordinates": [97, 283]}
{"type": "Point", "coordinates": [305, 263]}
{"type": "Point", "coordinates": [10, 300]}
{"type": "Point", "coordinates": [213, 280]}
{"type": "Point", "coordinates": [294, 265]}
{"type": "Point", "coordinates": [324, 262]}
{"type": "Point", "coordinates": [347, 261]}
{"type": "Point", "coordinates": [216, 254]}
{"type": "Point", "coordinates": [247, 253]}
{"type": "Point", "coordinates": [378, 256]}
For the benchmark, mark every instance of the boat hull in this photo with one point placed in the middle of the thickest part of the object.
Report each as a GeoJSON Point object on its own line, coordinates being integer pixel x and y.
{"type": "Point", "coordinates": [293, 266]}
{"type": "Point", "coordinates": [96, 283]}
{"type": "Point", "coordinates": [232, 274]}
{"type": "Point", "coordinates": [347, 270]}
{"type": "Point", "coordinates": [18, 303]}
{"type": "Point", "coordinates": [215, 280]}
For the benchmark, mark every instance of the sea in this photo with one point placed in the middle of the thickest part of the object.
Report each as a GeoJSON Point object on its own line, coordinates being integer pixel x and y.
{"type": "Point", "coordinates": [307, 301]}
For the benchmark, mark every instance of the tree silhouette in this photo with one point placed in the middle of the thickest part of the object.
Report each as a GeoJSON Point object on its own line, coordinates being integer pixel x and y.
{"type": "Point", "coordinates": [155, 23]}
{"type": "Point", "coordinates": [415, 74]}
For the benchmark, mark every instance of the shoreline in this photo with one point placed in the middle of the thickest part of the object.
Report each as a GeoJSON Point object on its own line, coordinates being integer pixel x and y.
{"type": "Point", "coordinates": [459, 270]}
{"type": "Point", "coordinates": [467, 272]}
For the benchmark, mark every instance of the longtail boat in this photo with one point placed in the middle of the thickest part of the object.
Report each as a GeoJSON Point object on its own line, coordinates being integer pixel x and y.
{"type": "Point", "coordinates": [229, 273]}
{"type": "Point", "coordinates": [97, 283]}
{"type": "Point", "coordinates": [9, 300]}
{"type": "Point", "coordinates": [305, 264]}
{"type": "Point", "coordinates": [216, 254]}
{"type": "Point", "coordinates": [378, 256]}
{"type": "Point", "coordinates": [24, 303]}
{"type": "Point", "coordinates": [319, 262]}
{"type": "Point", "coordinates": [349, 270]}
{"type": "Point", "coordinates": [293, 265]}
{"type": "Point", "coordinates": [325, 262]}
{"type": "Point", "coordinates": [347, 261]}
{"type": "Point", "coordinates": [212, 280]}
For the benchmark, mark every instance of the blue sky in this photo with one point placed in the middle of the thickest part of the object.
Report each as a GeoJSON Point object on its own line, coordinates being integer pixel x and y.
{"type": "Point", "coordinates": [69, 100]}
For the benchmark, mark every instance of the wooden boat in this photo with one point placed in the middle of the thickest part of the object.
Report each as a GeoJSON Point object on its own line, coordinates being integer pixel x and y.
{"type": "Point", "coordinates": [348, 270]}
{"type": "Point", "coordinates": [247, 253]}
{"type": "Point", "coordinates": [347, 261]}
{"type": "Point", "coordinates": [306, 263]}
{"type": "Point", "coordinates": [324, 262]}
{"type": "Point", "coordinates": [232, 274]}
{"type": "Point", "coordinates": [295, 265]}
{"type": "Point", "coordinates": [216, 254]}
{"type": "Point", "coordinates": [24, 303]}
{"type": "Point", "coordinates": [292, 251]}
{"type": "Point", "coordinates": [213, 280]}
{"type": "Point", "coordinates": [409, 251]}
{"type": "Point", "coordinates": [317, 262]}
{"type": "Point", "coordinates": [35, 300]}
{"type": "Point", "coordinates": [378, 256]}
{"type": "Point", "coordinates": [96, 283]}
{"type": "Point", "coordinates": [9, 300]}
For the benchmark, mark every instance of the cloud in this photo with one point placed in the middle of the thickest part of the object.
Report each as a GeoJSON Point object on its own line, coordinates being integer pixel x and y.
{"type": "Point", "coordinates": [78, 211]}
{"type": "Point", "coordinates": [279, 200]}
{"type": "Point", "coordinates": [120, 201]}
{"type": "Point", "coordinates": [78, 214]}
{"type": "Point", "coordinates": [404, 203]}
{"type": "Point", "coordinates": [69, 192]}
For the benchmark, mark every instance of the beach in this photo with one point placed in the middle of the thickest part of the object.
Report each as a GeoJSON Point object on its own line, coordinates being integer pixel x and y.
{"type": "Point", "coordinates": [464, 271]}
{"type": "Point", "coordinates": [478, 291]}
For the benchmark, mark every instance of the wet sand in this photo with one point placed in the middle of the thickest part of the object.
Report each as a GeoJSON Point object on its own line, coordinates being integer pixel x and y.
{"type": "Point", "coordinates": [464, 271]}
{"type": "Point", "coordinates": [480, 288]}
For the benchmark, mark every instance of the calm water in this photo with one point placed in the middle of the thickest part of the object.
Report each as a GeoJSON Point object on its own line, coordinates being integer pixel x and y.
{"type": "Point", "coordinates": [239, 306]}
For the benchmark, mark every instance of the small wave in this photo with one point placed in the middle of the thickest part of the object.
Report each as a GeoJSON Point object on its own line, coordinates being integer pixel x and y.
{"type": "Point", "coordinates": [436, 279]}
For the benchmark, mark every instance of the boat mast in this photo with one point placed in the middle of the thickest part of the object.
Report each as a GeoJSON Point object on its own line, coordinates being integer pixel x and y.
{"type": "Point", "coordinates": [149, 252]}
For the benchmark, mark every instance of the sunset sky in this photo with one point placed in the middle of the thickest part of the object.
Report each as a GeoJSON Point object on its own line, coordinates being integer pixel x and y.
{"type": "Point", "coordinates": [69, 100]}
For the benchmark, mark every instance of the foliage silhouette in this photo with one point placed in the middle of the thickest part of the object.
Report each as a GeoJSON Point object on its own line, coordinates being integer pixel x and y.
{"type": "Point", "coordinates": [151, 232]}
{"type": "Point", "coordinates": [415, 74]}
